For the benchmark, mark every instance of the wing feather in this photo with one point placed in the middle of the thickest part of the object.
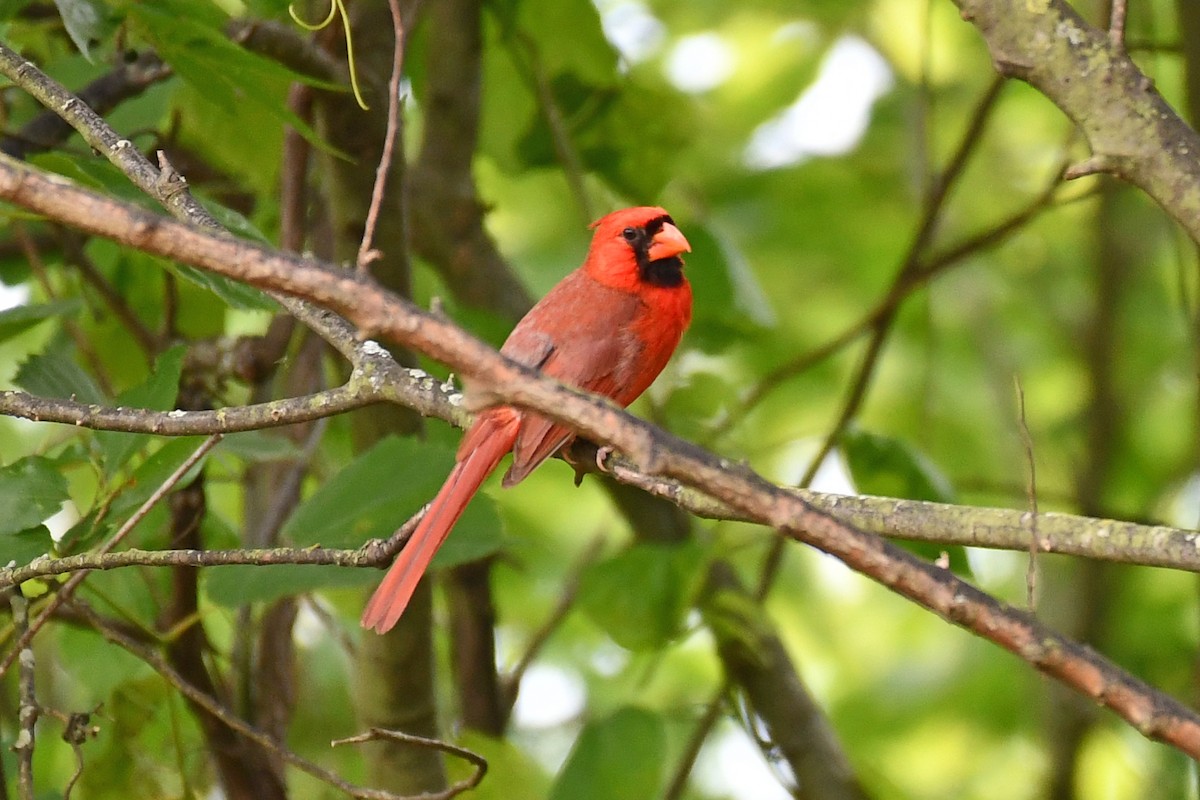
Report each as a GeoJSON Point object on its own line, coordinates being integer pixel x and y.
{"type": "Point", "coordinates": [579, 334]}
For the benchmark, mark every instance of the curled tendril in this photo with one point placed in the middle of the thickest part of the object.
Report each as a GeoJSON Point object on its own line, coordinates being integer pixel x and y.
{"type": "Point", "coordinates": [336, 7]}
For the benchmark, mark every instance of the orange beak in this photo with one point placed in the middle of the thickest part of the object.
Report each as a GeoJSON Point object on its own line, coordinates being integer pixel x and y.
{"type": "Point", "coordinates": [668, 242]}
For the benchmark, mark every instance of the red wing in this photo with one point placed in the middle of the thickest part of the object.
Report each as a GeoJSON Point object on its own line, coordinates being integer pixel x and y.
{"type": "Point", "coordinates": [579, 334]}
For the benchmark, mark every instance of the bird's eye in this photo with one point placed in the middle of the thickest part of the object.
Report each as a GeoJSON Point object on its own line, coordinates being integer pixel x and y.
{"type": "Point", "coordinates": [630, 234]}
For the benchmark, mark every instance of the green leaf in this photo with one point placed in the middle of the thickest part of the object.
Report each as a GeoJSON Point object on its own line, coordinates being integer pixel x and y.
{"type": "Point", "coordinates": [240, 584]}
{"type": "Point", "coordinates": [666, 577]}
{"type": "Point", "coordinates": [98, 173]}
{"type": "Point", "coordinates": [237, 295]}
{"type": "Point", "coordinates": [22, 318]}
{"type": "Point", "coordinates": [476, 535]}
{"type": "Point", "coordinates": [370, 497]}
{"type": "Point", "coordinates": [224, 73]}
{"type": "Point", "coordinates": [620, 757]}
{"type": "Point", "coordinates": [86, 22]}
{"type": "Point", "coordinates": [513, 773]}
{"type": "Point", "coordinates": [885, 466]}
{"type": "Point", "coordinates": [724, 287]}
{"type": "Point", "coordinates": [31, 489]}
{"type": "Point", "coordinates": [154, 471]}
{"type": "Point", "coordinates": [888, 467]}
{"type": "Point", "coordinates": [54, 373]}
{"type": "Point", "coordinates": [258, 446]}
{"type": "Point", "coordinates": [24, 546]}
{"type": "Point", "coordinates": [156, 393]}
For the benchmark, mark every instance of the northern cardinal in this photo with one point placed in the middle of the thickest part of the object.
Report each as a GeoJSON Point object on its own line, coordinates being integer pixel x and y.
{"type": "Point", "coordinates": [608, 327]}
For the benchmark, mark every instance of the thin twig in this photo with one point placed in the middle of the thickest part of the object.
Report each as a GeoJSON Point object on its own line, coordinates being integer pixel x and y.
{"type": "Point", "coordinates": [366, 251]}
{"type": "Point", "coordinates": [695, 742]}
{"type": "Point", "coordinates": [566, 599]}
{"type": "Point", "coordinates": [234, 419]}
{"type": "Point", "coordinates": [455, 789]}
{"type": "Point", "coordinates": [560, 134]}
{"type": "Point", "coordinates": [1031, 496]}
{"type": "Point", "coordinates": [1116, 24]}
{"type": "Point", "coordinates": [68, 588]}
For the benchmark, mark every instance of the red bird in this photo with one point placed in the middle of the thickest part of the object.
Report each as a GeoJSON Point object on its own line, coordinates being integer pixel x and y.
{"type": "Point", "coordinates": [608, 327]}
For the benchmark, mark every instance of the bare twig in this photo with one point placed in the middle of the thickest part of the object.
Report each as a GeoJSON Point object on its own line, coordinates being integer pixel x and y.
{"type": "Point", "coordinates": [366, 252]}
{"type": "Point", "coordinates": [476, 760]}
{"type": "Point", "coordinates": [1116, 24]}
{"type": "Point", "coordinates": [566, 599]}
{"type": "Point", "coordinates": [696, 739]}
{"type": "Point", "coordinates": [1031, 495]}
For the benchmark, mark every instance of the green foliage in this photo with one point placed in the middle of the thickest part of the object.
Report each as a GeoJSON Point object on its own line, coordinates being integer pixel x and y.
{"type": "Point", "coordinates": [157, 393]}
{"type": "Point", "coordinates": [641, 596]}
{"type": "Point", "coordinates": [785, 261]}
{"type": "Point", "coordinates": [30, 491]}
{"type": "Point", "coordinates": [56, 374]}
{"type": "Point", "coordinates": [22, 318]}
{"type": "Point", "coordinates": [619, 757]}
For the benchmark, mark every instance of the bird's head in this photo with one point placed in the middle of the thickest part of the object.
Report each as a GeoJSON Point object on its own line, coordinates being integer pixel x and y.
{"type": "Point", "coordinates": [635, 247]}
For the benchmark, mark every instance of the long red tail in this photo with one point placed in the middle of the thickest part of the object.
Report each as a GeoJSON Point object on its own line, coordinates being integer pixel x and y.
{"type": "Point", "coordinates": [491, 439]}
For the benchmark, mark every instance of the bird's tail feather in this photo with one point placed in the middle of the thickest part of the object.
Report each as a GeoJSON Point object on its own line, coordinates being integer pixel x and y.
{"type": "Point", "coordinates": [391, 598]}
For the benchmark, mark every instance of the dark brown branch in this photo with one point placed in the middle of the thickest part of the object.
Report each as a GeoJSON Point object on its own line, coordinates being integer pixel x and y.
{"type": "Point", "coordinates": [246, 768]}
{"type": "Point", "coordinates": [758, 664]}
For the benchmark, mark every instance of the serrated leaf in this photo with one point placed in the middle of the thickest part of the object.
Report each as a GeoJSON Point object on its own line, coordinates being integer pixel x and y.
{"type": "Point", "coordinates": [31, 489]}
{"type": "Point", "coordinates": [156, 393]}
{"type": "Point", "coordinates": [620, 757]}
{"type": "Point", "coordinates": [24, 546]}
{"type": "Point", "coordinates": [20, 319]}
{"type": "Point", "coordinates": [240, 584]}
{"type": "Point", "coordinates": [54, 373]}
{"type": "Point", "coordinates": [666, 577]}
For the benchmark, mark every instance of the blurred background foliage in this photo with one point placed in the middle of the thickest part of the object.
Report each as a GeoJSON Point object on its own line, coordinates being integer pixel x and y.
{"type": "Point", "coordinates": [803, 149]}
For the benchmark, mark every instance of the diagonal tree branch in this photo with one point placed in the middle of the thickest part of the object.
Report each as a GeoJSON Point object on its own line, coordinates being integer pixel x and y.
{"type": "Point", "coordinates": [500, 380]}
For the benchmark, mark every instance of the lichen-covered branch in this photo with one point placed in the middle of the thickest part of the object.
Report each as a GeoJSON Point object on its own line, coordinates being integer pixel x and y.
{"type": "Point", "coordinates": [1134, 134]}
